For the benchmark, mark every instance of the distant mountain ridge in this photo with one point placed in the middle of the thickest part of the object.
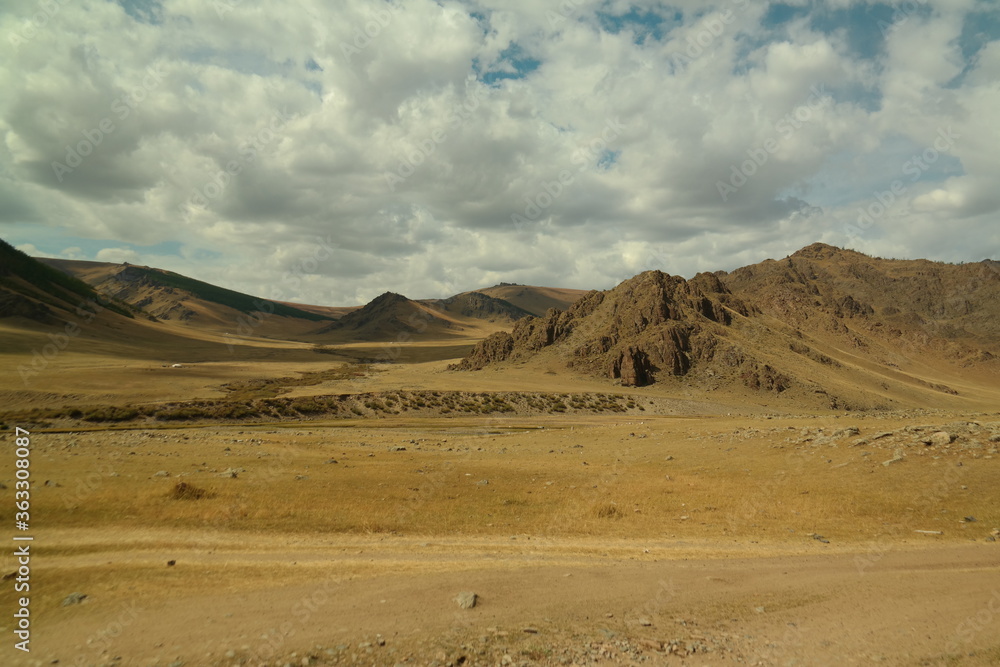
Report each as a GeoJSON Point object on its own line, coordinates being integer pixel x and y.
{"type": "Point", "coordinates": [167, 295]}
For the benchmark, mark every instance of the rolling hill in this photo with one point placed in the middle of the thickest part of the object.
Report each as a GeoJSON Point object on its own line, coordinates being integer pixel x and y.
{"type": "Point", "coordinates": [166, 295]}
{"type": "Point", "coordinates": [535, 300]}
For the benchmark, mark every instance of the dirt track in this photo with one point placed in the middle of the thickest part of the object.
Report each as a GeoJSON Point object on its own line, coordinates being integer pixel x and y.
{"type": "Point", "coordinates": [589, 603]}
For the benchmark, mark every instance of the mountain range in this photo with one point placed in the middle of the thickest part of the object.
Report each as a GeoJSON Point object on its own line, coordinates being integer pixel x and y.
{"type": "Point", "coordinates": [824, 327]}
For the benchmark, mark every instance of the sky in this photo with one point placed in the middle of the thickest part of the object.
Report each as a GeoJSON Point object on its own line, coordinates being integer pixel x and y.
{"type": "Point", "coordinates": [327, 152]}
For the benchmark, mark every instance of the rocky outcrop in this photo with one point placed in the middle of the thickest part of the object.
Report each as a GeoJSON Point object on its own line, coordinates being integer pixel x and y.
{"type": "Point", "coordinates": [652, 325]}
{"type": "Point", "coordinates": [493, 350]}
{"type": "Point", "coordinates": [13, 304]}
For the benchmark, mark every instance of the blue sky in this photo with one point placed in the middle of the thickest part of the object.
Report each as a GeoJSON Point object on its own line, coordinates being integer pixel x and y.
{"type": "Point", "coordinates": [327, 154]}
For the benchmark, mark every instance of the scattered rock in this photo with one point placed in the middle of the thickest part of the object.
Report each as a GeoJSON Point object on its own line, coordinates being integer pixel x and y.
{"type": "Point", "coordinates": [171, 563]}
{"type": "Point", "coordinates": [896, 458]}
{"type": "Point", "coordinates": [162, 473]}
{"type": "Point", "coordinates": [941, 438]}
{"type": "Point", "coordinates": [482, 482]}
{"type": "Point", "coordinates": [466, 600]}
{"type": "Point", "coordinates": [397, 448]}
{"type": "Point", "coordinates": [330, 461]}
{"type": "Point", "coordinates": [969, 519]}
{"type": "Point", "coordinates": [73, 598]}
{"type": "Point", "coordinates": [645, 622]}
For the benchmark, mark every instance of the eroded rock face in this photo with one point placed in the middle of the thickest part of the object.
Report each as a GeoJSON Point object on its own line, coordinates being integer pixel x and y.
{"type": "Point", "coordinates": [653, 324]}
{"type": "Point", "coordinates": [16, 305]}
{"type": "Point", "coordinates": [633, 368]}
{"type": "Point", "coordinates": [494, 349]}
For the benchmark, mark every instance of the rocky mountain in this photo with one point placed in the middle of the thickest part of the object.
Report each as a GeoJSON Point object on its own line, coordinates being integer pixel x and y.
{"type": "Point", "coordinates": [651, 324]}
{"type": "Point", "coordinates": [911, 303]}
{"type": "Point", "coordinates": [824, 322]}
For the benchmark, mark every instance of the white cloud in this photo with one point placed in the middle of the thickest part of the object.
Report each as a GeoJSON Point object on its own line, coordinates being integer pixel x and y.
{"type": "Point", "coordinates": [118, 255]}
{"type": "Point", "coordinates": [309, 108]}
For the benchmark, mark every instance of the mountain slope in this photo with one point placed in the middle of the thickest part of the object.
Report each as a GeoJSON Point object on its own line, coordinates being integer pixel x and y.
{"type": "Point", "coordinates": [533, 299]}
{"type": "Point", "coordinates": [387, 317]}
{"type": "Point", "coordinates": [825, 327]}
{"type": "Point", "coordinates": [480, 306]}
{"type": "Point", "coordinates": [32, 290]}
{"type": "Point", "coordinates": [170, 296]}
{"type": "Point", "coordinates": [915, 304]}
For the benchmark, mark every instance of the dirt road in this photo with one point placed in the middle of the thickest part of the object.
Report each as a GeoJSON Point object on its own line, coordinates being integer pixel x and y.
{"type": "Point", "coordinates": [385, 600]}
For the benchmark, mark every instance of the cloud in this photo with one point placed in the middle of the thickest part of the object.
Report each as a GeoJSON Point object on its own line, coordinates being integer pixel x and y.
{"type": "Point", "coordinates": [118, 255]}
{"type": "Point", "coordinates": [330, 153]}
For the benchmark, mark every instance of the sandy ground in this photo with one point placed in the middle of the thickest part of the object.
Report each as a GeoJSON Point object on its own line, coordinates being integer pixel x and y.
{"type": "Point", "coordinates": [387, 600]}
{"type": "Point", "coordinates": [741, 581]}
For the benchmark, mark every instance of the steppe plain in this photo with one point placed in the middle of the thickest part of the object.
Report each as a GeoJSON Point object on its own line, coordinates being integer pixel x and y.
{"type": "Point", "coordinates": [596, 523]}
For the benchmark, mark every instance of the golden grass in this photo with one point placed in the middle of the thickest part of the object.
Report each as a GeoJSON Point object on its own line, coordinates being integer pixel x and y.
{"type": "Point", "coordinates": [594, 480]}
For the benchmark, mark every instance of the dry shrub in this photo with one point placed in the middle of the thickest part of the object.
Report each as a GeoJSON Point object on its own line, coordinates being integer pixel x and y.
{"type": "Point", "coordinates": [185, 491]}
{"type": "Point", "coordinates": [608, 511]}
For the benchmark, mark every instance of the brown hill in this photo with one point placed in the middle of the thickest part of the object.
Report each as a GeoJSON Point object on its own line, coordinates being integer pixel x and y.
{"type": "Point", "coordinates": [826, 327]}
{"type": "Point", "coordinates": [387, 317]}
{"type": "Point", "coordinates": [480, 306]}
{"type": "Point", "coordinates": [33, 291]}
{"type": "Point", "coordinates": [169, 296]}
{"type": "Point", "coordinates": [533, 299]}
